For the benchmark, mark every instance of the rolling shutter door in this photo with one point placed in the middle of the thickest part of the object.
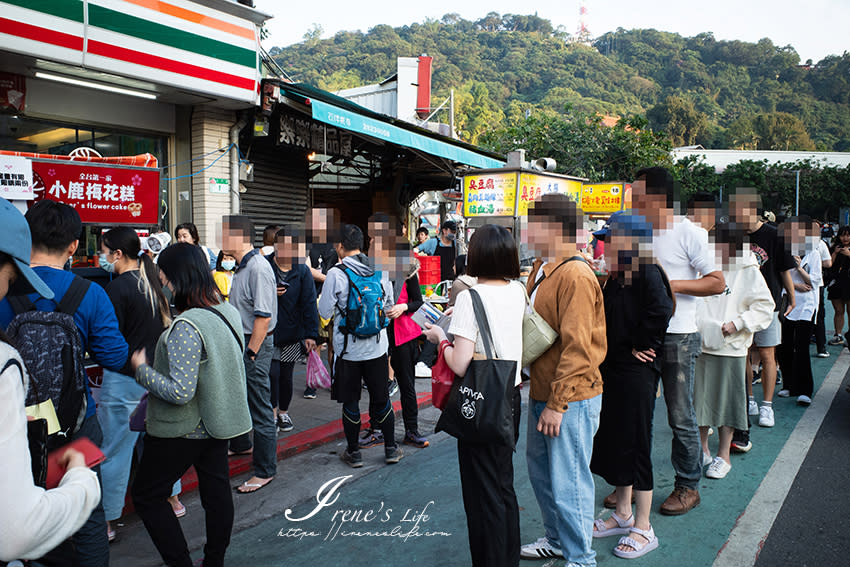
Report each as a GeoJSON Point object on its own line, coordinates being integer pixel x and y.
{"type": "Point", "coordinates": [279, 193]}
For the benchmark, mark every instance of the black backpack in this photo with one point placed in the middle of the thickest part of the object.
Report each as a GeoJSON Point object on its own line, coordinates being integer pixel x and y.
{"type": "Point", "coordinates": [49, 344]}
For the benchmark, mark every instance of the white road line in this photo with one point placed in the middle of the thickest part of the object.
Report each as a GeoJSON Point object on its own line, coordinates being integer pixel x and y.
{"type": "Point", "coordinates": [751, 530]}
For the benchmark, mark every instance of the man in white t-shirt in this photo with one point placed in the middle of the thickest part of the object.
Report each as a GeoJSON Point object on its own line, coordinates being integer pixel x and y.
{"type": "Point", "coordinates": [681, 247]}
{"type": "Point", "coordinates": [826, 263]}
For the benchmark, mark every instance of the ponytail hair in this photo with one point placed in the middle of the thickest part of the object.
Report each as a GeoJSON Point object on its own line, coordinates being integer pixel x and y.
{"type": "Point", "coordinates": [127, 241]}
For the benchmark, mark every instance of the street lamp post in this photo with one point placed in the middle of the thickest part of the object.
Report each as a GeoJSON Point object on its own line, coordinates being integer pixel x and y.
{"type": "Point", "coordinates": [797, 203]}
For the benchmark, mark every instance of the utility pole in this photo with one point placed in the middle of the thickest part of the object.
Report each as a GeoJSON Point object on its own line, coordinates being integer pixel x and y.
{"type": "Point", "coordinates": [452, 112]}
{"type": "Point", "coordinates": [797, 207]}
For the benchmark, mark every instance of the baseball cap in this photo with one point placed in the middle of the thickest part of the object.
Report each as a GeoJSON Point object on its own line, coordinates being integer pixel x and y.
{"type": "Point", "coordinates": [17, 243]}
{"type": "Point", "coordinates": [606, 230]}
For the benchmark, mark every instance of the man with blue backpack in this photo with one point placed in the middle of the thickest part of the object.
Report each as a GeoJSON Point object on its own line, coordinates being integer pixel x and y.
{"type": "Point", "coordinates": [357, 297]}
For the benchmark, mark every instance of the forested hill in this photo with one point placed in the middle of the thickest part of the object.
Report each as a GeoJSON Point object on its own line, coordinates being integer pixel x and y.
{"type": "Point", "coordinates": [721, 94]}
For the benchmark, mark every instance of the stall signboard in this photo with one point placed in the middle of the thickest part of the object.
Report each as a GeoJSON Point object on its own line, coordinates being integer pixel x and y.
{"type": "Point", "coordinates": [489, 195]}
{"type": "Point", "coordinates": [101, 194]}
{"type": "Point", "coordinates": [602, 197]}
{"type": "Point", "coordinates": [15, 178]}
{"type": "Point", "coordinates": [532, 186]}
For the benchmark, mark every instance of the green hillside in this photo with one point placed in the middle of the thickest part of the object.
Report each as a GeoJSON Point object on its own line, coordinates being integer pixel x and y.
{"type": "Point", "coordinates": [698, 90]}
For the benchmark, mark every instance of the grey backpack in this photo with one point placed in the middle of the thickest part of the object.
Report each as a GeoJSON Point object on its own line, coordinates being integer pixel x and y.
{"type": "Point", "coordinates": [49, 344]}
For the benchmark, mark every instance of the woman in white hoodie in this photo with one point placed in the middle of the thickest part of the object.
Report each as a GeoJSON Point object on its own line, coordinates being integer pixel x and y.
{"type": "Point", "coordinates": [726, 323]}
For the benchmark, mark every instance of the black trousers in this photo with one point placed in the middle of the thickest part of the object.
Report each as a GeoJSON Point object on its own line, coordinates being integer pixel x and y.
{"type": "Point", "coordinates": [348, 377]}
{"type": "Point", "coordinates": [820, 325]}
{"type": "Point", "coordinates": [163, 462]}
{"type": "Point", "coordinates": [492, 512]}
{"type": "Point", "coordinates": [794, 358]}
{"type": "Point", "coordinates": [280, 381]}
{"type": "Point", "coordinates": [403, 360]}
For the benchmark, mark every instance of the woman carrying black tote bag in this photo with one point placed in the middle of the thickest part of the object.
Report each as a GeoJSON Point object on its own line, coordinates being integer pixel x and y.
{"type": "Point", "coordinates": [480, 409]}
{"type": "Point", "coordinates": [484, 405]}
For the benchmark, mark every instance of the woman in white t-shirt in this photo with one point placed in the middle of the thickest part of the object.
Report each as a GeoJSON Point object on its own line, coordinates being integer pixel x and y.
{"type": "Point", "coordinates": [486, 471]}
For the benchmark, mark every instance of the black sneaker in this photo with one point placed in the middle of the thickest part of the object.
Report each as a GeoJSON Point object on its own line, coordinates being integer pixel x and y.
{"type": "Point", "coordinates": [741, 441]}
{"type": "Point", "coordinates": [354, 459]}
{"type": "Point", "coordinates": [309, 393]}
{"type": "Point", "coordinates": [393, 455]}
{"type": "Point", "coordinates": [757, 377]}
{"type": "Point", "coordinates": [284, 423]}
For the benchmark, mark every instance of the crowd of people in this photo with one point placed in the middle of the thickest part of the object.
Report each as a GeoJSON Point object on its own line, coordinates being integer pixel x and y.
{"type": "Point", "coordinates": [205, 346]}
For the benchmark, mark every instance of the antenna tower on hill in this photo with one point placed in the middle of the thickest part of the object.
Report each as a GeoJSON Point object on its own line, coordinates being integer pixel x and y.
{"type": "Point", "coordinates": [583, 34]}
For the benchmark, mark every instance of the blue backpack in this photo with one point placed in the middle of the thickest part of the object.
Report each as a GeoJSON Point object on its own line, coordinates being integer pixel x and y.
{"type": "Point", "coordinates": [364, 313]}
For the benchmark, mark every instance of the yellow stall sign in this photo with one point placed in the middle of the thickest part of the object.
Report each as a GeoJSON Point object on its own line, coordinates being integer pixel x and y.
{"type": "Point", "coordinates": [533, 186]}
{"type": "Point", "coordinates": [489, 194]}
{"type": "Point", "coordinates": [602, 197]}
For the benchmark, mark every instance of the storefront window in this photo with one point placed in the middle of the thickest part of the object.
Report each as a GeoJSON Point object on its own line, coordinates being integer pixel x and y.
{"type": "Point", "coordinates": [24, 134]}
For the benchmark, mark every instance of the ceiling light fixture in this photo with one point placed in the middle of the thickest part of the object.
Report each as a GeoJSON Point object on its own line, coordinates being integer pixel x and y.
{"type": "Point", "coordinates": [91, 85]}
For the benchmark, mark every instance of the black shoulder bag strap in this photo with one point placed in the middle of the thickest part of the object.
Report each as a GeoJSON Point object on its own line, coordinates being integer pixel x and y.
{"type": "Point", "coordinates": [543, 277]}
{"type": "Point", "coordinates": [74, 296]}
{"type": "Point", "coordinates": [483, 324]}
{"type": "Point", "coordinates": [229, 326]}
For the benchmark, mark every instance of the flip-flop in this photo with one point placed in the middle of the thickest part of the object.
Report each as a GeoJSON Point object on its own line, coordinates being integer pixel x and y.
{"type": "Point", "coordinates": [179, 512]}
{"type": "Point", "coordinates": [622, 527]}
{"type": "Point", "coordinates": [240, 453]}
{"type": "Point", "coordinates": [255, 486]}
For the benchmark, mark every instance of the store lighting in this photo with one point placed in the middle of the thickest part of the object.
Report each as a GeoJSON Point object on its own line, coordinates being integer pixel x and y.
{"type": "Point", "coordinates": [91, 85]}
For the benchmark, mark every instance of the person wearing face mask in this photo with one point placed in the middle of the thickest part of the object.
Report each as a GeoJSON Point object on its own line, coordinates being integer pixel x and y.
{"type": "Point", "coordinates": [794, 359]}
{"type": "Point", "coordinates": [143, 313]}
{"type": "Point", "coordinates": [55, 229]}
{"type": "Point", "coordinates": [443, 246]}
{"type": "Point", "coordinates": [297, 320]}
{"type": "Point", "coordinates": [223, 274]}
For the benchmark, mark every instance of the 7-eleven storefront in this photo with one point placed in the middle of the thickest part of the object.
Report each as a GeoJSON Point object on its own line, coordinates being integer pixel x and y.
{"type": "Point", "coordinates": [127, 77]}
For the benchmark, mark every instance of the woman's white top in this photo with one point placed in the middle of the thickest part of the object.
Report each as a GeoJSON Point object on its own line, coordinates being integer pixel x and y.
{"type": "Point", "coordinates": [505, 306]}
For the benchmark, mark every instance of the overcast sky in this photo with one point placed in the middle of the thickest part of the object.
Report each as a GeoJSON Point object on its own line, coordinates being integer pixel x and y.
{"type": "Point", "coordinates": [815, 28]}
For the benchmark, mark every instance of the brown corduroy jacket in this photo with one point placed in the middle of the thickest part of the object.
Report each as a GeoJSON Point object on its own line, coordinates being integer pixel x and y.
{"type": "Point", "coordinates": [570, 300]}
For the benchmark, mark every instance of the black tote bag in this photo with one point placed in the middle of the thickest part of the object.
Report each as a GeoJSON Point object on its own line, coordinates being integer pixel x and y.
{"type": "Point", "coordinates": [479, 405]}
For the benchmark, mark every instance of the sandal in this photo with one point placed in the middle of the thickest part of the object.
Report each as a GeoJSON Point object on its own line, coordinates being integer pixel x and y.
{"type": "Point", "coordinates": [622, 527]}
{"type": "Point", "coordinates": [640, 549]}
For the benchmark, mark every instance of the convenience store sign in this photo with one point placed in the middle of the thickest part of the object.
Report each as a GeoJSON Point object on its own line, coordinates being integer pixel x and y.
{"type": "Point", "coordinates": [100, 194]}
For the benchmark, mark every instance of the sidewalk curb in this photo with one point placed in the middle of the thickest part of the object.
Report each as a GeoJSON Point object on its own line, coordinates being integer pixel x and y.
{"type": "Point", "coordinates": [746, 539]}
{"type": "Point", "coordinates": [292, 445]}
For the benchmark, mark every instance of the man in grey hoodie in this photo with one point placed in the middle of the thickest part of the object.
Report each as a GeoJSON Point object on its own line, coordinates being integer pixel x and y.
{"type": "Point", "coordinates": [358, 360]}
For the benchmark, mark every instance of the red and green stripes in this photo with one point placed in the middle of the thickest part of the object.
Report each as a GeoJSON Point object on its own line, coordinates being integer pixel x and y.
{"type": "Point", "coordinates": [190, 40]}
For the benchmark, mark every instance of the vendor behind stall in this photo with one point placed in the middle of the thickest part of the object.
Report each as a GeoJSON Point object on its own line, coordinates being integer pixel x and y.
{"type": "Point", "coordinates": [444, 246]}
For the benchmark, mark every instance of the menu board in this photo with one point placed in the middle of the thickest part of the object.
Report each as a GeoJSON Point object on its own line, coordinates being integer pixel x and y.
{"type": "Point", "coordinates": [602, 197]}
{"type": "Point", "coordinates": [532, 186]}
{"type": "Point", "coordinates": [491, 195]}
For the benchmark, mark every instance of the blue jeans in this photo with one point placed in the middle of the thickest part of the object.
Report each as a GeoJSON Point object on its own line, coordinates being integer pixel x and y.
{"type": "Point", "coordinates": [119, 396]}
{"type": "Point", "coordinates": [677, 375]}
{"type": "Point", "coordinates": [262, 413]}
{"type": "Point", "coordinates": [559, 471]}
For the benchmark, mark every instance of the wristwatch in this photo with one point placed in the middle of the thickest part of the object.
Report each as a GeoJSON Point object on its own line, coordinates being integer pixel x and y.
{"type": "Point", "coordinates": [250, 354]}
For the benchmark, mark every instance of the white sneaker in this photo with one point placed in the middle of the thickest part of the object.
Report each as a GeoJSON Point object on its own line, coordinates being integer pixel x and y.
{"type": "Point", "coordinates": [783, 393]}
{"type": "Point", "coordinates": [823, 354]}
{"type": "Point", "coordinates": [422, 370]}
{"type": "Point", "coordinates": [540, 549]}
{"type": "Point", "coordinates": [706, 459]}
{"type": "Point", "coordinates": [752, 408]}
{"type": "Point", "coordinates": [718, 468]}
{"type": "Point", "coordinates": [766, 416]}
{"type": "Point", "coordinates": [804, 400]}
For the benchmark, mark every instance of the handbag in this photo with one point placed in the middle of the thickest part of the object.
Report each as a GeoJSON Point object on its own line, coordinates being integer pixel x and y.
{"type": "Point", "coordinates": [537, 335]}
{"type": "Point", "coordinates": [479, 409]}
{"type": "Point", "coordinates": [137, 418]}
{"type": "Point", "coordinates": [442, 379]}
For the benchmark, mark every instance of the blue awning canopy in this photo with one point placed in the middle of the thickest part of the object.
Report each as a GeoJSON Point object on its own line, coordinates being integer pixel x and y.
{"type": "Point", "coordinates": [341, 118]}
{"type": "Point", "coordinates": [342, 113]}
